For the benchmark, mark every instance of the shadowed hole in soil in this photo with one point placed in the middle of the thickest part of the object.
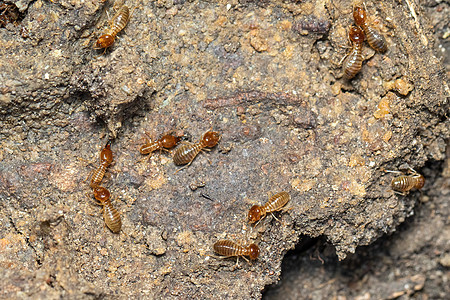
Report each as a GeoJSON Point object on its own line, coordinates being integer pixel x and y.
{"type": "Point", "coordinates": [9, 13]}
{"type": "Point", "coordinates": [408, 262]}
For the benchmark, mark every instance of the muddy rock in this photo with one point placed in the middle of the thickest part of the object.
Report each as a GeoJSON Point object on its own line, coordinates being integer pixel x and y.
{"type": "Point", "coordinates": [266, 76]}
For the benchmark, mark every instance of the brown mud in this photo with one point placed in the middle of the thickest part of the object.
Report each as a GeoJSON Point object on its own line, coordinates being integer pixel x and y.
{"type": "Point", "coordinates": [266, 75]}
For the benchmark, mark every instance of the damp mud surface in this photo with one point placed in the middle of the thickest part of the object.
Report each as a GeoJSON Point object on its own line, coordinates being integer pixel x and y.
{"type": "Point", "coordinates": [266, 75]}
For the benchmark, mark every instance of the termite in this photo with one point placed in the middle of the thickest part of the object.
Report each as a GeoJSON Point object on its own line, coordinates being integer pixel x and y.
{"type": "Point", "coordinates": [375, 39]}
{"type": "Point", "coordinates": [353, 61]}
{"type": "Point", "coordinates": [186, 153]}
{"type": "Point", "coordinates": [106, 158]}
{"type": "Point", "coordinates": [405, 183]}
{"type": "Point", "coordinates": [110, 214]}
{"type": "Point", "coordinates": [166, 142]}
{"type": "Point", "coordinates": [229, 249]}
{"type": "Point", "coordinates": [275, 203]}
{"type": "Point", "coordinates": [118, 22]}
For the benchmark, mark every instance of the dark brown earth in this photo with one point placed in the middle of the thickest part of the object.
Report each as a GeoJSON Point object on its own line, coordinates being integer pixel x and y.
{"type": "Point", "coordinates": [266, 75]}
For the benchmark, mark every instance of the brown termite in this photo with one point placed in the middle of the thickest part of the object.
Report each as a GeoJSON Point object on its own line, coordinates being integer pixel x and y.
{"type": "Point", "coordinates": [353, 61]}
{"type": "Point", "coordinates": [166, 142]}
{"type": "Point", "coordinates": [106, 158]}
{"type": "Point", "coordinates": [404, 183]}
{"type": "Point", "coordinates": [229, 248]}
{"type": "Point", "coordinates": [275, 203]}
{"type": "Point", "coordinates": [117, 23]}
{"type": "Point", "coordinates": [375, 39]}
{"type": "Point", "coordinates": [110, 214]}
{"type": "Point", "coordinates": [186, 153]}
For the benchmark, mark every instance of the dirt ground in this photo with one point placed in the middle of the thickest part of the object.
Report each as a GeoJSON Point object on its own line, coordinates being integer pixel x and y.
{"type": "Point", "coordinates": [411, 263]}
{"type": "Point", "coordinates": [266, 75]}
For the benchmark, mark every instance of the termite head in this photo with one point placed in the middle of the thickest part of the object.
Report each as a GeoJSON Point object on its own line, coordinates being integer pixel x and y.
{"type": "Point", "coordinates": [254, 214]}
{"type": "Point", "coordinates": [420, 182]}
{"type": "Point", "coordinates": [356, 35]}
{"type": "Point", "coordinates": [253, 251]}
{"type": "Point", "coordinates": [359, 14]}
{"type": "Point", "coordinates": [169, 141]}
{"type": "Point", "coordinates": [104, 41]}
{"type": "Point", "coordinates": [106, 155]}
{"type": "Point", "coordinates": [211, 138]}
{"type": "Point", "coordinates": [101, 194]}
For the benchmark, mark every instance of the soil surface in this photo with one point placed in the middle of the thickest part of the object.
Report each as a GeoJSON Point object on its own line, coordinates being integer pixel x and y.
{"type": "Point", "coordinates": [266, 75]}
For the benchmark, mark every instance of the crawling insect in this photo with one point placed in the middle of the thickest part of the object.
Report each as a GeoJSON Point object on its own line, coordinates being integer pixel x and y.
{"type": "Point", "coordinates": [229, 248]}
{"type": "Point", "coordinates": [353, 61]}
{"type": "Point", "coordinates": [275, 203]}
{"type": "Point", "coordinates": [166, 142]}
{"type": "Point", "coordinates": [106, 158]}
{"type": "Point", "coordinates": [118, 22]}
{"type": "Point", "coordinates": [110, 214]}
{"type": "Point", "coordinates": [186, 153]}
{"type": "Point", "coordinates": [405, 183]}
{"type": "Point", "coordinates": [375, 39]}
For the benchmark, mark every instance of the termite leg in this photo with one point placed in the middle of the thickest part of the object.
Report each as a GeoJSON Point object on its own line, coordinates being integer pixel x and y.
{"type": "Point", "coordinates": [275, 218]}
{"type": "Point", "coordinates": [400, 193]}
{"type": "Point", "coordinates": [391, 171]}
{"type": "Point", "coordinates": [89, 175]}
{"type": "Point", "coordinates": [414, 172]}
{"type": "Point", "coordinates": [183, 167]}
{"type": "Point", "coordinates": [342, 59]}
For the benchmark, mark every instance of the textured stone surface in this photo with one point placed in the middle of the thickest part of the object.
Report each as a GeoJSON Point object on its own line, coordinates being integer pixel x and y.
{"type": "Point", "coordinates": [266, 76]}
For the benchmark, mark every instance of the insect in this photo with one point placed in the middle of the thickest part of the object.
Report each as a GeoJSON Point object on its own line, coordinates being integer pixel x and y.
{"type": "Point", "coordinates": [353, 61]}
{"type": "Point", "coordinates": [405, 183]}
{"type": "Point", "coordinates": [186, 153]}
{"type": "Point", "coordinates": [106, 158]}
{"type": "Point", "coordinates": [275, 203]}
{"type": "Point", "coordinates": [166, 142]}
{"type": "Point", "coordinates": [229, 248]}
{"type": "Point", "coordinates": [110, 214]}
{"type": "Point", "coordinates": [375, 39]}
{"type": "Point", "coordinates": [118, 22]}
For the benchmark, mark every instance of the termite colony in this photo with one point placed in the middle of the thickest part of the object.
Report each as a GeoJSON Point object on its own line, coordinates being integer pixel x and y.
{"type": "Point", "coordinates": [364, 30]}
{"type": "Point", "coordinates": [101, 194]}
{"type": "Point", "coordinates": [256, 213]}
{"type": "Point", "coordinates": [186, 153]}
